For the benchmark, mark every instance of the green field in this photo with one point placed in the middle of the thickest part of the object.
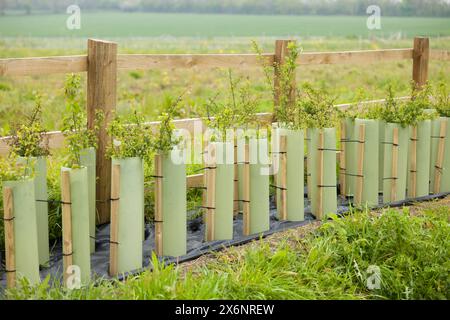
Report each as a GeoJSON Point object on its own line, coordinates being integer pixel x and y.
{"type": "Point", "coordinates": [116, 24]}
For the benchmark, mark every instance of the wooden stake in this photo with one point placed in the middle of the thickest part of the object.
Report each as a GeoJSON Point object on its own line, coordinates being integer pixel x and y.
{"type": "Point", "coordinates": [395, 147]}
{"type": "Point", "coordinates": [440, 157]}
{"type": "Point", "coordinates": [10, 243]}
{"type": "Point", "coordinates": [236, 179]}
{"type": "Point", "coordinates": [158, 205]}
{"type": "Point", "coordinates": [343, 164]}
{"type": "Point", "coordinates": [413, 169]}
{"type": "Point", "coordinates": [246, 193]}
{"type": "Point", "coordinates": [101, 96]}
{"type": "Point", "coordinates": [360, 173]}
{"type": "Point", "coordinates": [211, 194]}
{"type": "Point", "coordinates": [281, 52]}
{"type": "Point", "coordinates": [66, 223]}
{"type": "Point", "coordinates": [319, 214]}
{"type": "Point", "coordinates": [283, 178]}
{"type": "Point", "coordinates": [115, 203]}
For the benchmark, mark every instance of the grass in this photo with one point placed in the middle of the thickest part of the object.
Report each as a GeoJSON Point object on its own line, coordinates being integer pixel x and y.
{"type": "Point", "coordinates": [116, 24]}
{"type": "Point", "coordinates": [329, 262]}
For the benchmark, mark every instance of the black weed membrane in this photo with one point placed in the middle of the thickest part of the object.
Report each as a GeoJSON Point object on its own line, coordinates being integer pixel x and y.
{"type": "Point", "coordinates": [196, 244]}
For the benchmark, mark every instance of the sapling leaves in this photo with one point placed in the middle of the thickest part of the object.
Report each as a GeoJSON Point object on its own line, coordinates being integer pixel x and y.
{"type": "Point", "coordinates": [28, 139]}
{"type": "Point", "coordinates": [75, 125]}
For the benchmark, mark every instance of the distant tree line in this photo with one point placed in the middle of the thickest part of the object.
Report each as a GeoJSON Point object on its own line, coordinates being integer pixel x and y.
{"type": "Point", "coordinates": [436, 8]}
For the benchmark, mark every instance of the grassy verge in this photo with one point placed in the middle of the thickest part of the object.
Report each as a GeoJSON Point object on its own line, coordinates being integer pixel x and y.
{"type": "Point", "coordinates": [331, 261]}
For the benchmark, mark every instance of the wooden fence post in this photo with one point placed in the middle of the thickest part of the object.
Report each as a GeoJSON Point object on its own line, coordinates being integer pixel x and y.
{"type": "Point", "coordinates": [281, 52]}
{"type": "Point", "coordinates": [101, 95]}
{"type": "Point", "coordinates": [421, 55]}
{"type": "Point", "coordinates": [66, 223]}
{"type": "Point", "coordinates": [10, 244]}
{"type": "Point", "coordinates": [114, 227]}
{"type": "Point", "coordinates": [158, 205]}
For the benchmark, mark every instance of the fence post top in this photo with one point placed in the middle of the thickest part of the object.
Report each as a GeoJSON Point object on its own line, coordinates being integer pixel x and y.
{"type": "Point", "coordinates": [102, 41]}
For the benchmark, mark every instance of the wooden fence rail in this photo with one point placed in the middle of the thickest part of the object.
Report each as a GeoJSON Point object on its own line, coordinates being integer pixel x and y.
{"type": "Point", "coordinates": [102, 64]}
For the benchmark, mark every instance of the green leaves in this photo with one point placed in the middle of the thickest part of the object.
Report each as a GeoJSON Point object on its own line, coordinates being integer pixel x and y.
{"type": "Point", "coordinates": [238, 111]}
{"type": "Point", "coordinates": [75, 127]}
{"type": "Point", "coordinates": [442, 100]}
{"type": "Point", "coordinates": [28, 140]}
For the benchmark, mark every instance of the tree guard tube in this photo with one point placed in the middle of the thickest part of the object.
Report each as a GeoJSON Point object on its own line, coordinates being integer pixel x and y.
{"type": "Point", "coordinates": [441, 155]}
{"type": "Point", "coordinates": [40, 191]}
{"type": "Point", "coordinates": [294, 153]}
{"type": "Point", "coordinates": [350, 156]}
{"type": "Point", "coordinates": [394, 183]}
{"type": "Point", "coordinates": [131, 214]}
{"type": "Point", "coordinates": [25, 230]}
{"type": "Point", "coordinates": [257, 219]}
{"type": "Point", "coordinates": [223, 191]}
{"type": "Point", "coordinates": [79, 202]}
{"type": "Point", "coordinates": [88, 160]}
{"type": "Point", "coordinates": [418, 168]}
{"type": "Point", "coordinates": [174, 234]}
{"type": "Point", "coordinates": [323, 172]}
{"type": "Point", "coordinates": [367, 136]}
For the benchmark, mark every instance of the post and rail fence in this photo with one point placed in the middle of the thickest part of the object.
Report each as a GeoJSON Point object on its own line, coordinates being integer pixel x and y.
{"type": "Point", "coordinates": [102, 64]}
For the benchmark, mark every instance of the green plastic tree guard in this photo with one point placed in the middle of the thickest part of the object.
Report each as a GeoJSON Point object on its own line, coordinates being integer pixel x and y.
{"type": "Point", "coordinates": [445, 178]}
{"type": "Point", "coordinates": [131, 214]}
{"type": "Point", "coordinates": [88, 160]}
{"type": "Point", "coordinates": [350, 156]}
{"type": "Point", "coordinates": [223, 215]}
{"type": "Point", "coordinates": [259, 186]}
{"type": "Point", "coordinates": [174, 207]}
{"type": "Point", "coordinates": [25, 230]}
{"type": "Point", "coordinates": [80, 221]}
{"type": "Point", "coordinates": [39, 165]}
{"type": "Point", "coordinates": [402, 165]}
{"type": "Point", "coordinates": [423, 149]}
{"type": "Point", "coordinates": [295, 172]}
{"type": "Point", "coordinates": [329, 172]}
{"type": "Point", "coordinates": [370, 164]}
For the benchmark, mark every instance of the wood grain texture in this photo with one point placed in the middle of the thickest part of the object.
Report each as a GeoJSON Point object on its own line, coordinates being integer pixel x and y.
{"type": "Point", "coordinates": [440, 157]}
{"type": "Point", "coordinates": [246, 191]}
{"type": "Point", "coordinates": [394, 177]}
{"type": "Point", "coordinates": [283, 178]}
{"type": "Point", "coordinates": [101, 96]}
{"type": "Point", "coordinates": [360, 168]}
{"type": "Point", "coordinates": [413, 163]}
{"type": "Point", "coordinates": [421, 57]}
{"type": "Point", "coordinates": [320, 178]}
{"type": "Point", "coordinates": [183, 61]}
{"type": "Point", "coordinates": [10, 243]}
{"type": "Point", "coordinates": [211, 194]}
{"type": "Point", "coordinates": [42, 65]}
{"type": "Point", "coordinates": [439, 55]}
{"type": "Point", "coordinates": [342, 162]}
{"type": "Point", "coordinates": [79, 63]}
{"type": "Point", "coordinates": [114, 226]}
{"type": "Point", "coordinates": [66, 223]}
{"type": "Point", "coordinates": [158, 205]}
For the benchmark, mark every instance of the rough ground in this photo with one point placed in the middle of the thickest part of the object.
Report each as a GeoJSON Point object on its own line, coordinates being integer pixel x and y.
{"type": "Point", "coordinates": [235, 253]}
